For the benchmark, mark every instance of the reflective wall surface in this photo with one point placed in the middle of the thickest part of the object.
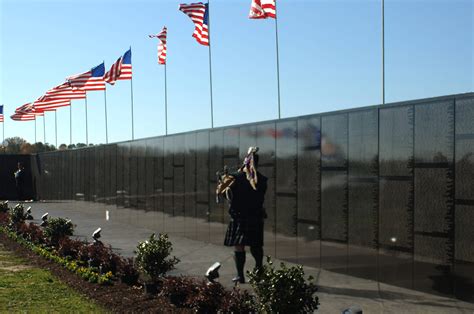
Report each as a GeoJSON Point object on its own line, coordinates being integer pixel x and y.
{"type": "Point", "coordinates": [384, 193]}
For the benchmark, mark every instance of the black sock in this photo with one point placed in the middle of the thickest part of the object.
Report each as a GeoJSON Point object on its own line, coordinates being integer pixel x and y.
{"type": "Point", "coordinates": [239, 257]}
{"type": "Point", "coordinates": [257, 253]}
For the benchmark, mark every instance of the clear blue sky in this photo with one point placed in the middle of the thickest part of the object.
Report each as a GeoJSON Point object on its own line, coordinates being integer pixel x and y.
{"type": "Point", "coordinates": [330, 59]}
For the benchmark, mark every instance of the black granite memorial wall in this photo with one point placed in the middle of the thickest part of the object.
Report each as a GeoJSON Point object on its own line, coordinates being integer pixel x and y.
{"type": "Point", "coordinates": [8, 165]}
{"type": "Point", "coordinates": [383, 192]}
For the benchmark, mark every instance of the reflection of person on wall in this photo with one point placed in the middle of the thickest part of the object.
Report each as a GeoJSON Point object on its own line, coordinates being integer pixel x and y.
{"type": "Point", "coordinates": [20, 180]}
{"type": "Point", "coordinates": [246, 194]}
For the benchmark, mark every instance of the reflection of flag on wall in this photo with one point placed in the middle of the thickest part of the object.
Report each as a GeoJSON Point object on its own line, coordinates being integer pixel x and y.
{"type": "Point", "coordinates": [199, 14]}
{"type": "Point", "coordinates": [262, 9]}
{"type": "Point", "coordinates": [1, 113]}
{"type": "Point", "coordinates": [121, 69]}
{"type": "Point", "coordinates": [162, 45]}
{"type": "Point", "coordinates": [90, 80]}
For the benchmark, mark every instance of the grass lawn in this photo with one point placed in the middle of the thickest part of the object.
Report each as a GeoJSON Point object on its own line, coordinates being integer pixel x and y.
{"type": "Point", "coordinates": [28, 289]}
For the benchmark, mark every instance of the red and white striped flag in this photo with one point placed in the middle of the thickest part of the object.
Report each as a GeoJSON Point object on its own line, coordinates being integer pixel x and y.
{"type": "Point", "coordinates": [162, 45]}
{"type": "Point", "coordinates": [1, 113]}
{"type": "Point", "coordinates": [121, 69]}
{"type": "Point", "coordinates": [47, 104]}
{"type": "Point", "coordinates": [262, 9]}
{"type": "Point", "coordinates": [65, 91]}
{"type": "Point", "coordinates": [23, 117]}
{"type": "Point", "coordinates": [27, 108]}
{"type": "Point", "coordinates": [25, 112]}
{"type": "Point", "coordinates": [90, 80]}
{"type": "Point", "coordinates": [199, 14]}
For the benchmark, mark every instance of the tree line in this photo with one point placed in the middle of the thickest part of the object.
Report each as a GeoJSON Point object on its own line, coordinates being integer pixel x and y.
{"type": "Point", "coordinates": [18, 145]}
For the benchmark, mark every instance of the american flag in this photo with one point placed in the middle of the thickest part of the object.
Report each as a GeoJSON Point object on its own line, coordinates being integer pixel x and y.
{"type": "Point", "coordinates": [47, 104]}
{"type": "Point", "coordinates": [65, 91]}
{"type": "Point", "coordinates": [23, 117]}
{"type": "Point", "coordinates": [199, 14]}
{"type": "Point", "coordinates": [26, 112]}
{"type": "Point", "coordinates": [1, 113]}
{"type": "Point", "coordinates": [25, 109]}
{"type": "Point", "coordinates": [90, 80]}
{"type": "Point", "coordinates": [121, 69]}
{"type": "Point", "coordinates": [262, 9]}
{"type": "Point", "coordinates": [162, 46]}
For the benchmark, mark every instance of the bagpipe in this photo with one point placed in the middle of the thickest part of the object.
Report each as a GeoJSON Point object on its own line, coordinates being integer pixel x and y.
{"type": "Point", "coordinates": [225, 179]}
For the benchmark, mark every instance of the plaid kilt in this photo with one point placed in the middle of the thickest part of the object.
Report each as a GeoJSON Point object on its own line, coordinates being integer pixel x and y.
{"type": "Point", "coordinates": [247, 232]}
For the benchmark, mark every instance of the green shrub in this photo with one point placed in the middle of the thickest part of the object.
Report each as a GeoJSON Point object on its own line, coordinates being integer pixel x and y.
{"type": "Point", "coordinates": [4, 207]}
{"type": "Point", "coordinates": [57, 229]}
{"type": "Point", "coordinates": [284, 290]}
{"type": "Point", "coordinates": [152, 256]}
{"type": "Point", "coordinates": [17, 216]}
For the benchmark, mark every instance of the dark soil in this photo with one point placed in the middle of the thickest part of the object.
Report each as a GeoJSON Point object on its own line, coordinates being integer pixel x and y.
{"type": "Point", "coordinates": [117, 298]}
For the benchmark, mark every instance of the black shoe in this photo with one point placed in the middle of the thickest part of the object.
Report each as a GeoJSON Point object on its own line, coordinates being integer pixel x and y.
{"type": "Point", "coordinates": [238, 279]}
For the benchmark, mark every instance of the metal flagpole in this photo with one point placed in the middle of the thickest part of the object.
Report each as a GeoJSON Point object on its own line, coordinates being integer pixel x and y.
{"type": "Point", "coordinates": [87, 129]}
{"type": "Point", "coordinates": [131, 96]}
{"type": "Point", "coordinates": [35, 129]}
{"type": "Point", "coordinates": [44, 127]}
{"type": "Point", "coordinates": [70, 124]}
{"type": "Point", "coordinates": [277, 59]}
{"type": "Point", "coordinates": [3, 131]}
{"type": "Point", "coordinates": [56, 127]}
{"type": "Point", "coordinates": [383, 52]}
{"type": "Point", "coordinates": [210, 63]}
{"type": "Point", "coordinates": [166, 106]}
{"type": "Point", "coordinates": [105, 106]}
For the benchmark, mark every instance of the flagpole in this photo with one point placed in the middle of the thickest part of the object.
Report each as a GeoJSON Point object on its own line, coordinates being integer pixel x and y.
{"type": "Point", "coordinates": [44, 127]}
{"type": "Point", "coordinates": [210, 63]}
{"type": "Point", "coordinates": [131, 97]}
{"type": "Point", "coordinates": [35, 129]}
{"type": "Point", "coordinates": [56, 127]}
{"type": "Point", "coordinates": [105, 106]}
{"type": "Point", "coordinates": [166, 105]}
{"type": "Point", "coordinates": [383, 52]}
{"type": "Point", "coordinates": [277, 59]}
{"type": "Point", "coordinates": [70, 124]}
{"type": "Point", "coordinates": [87, 129]}
{"type": "Point", "coordinates": [3, 130]}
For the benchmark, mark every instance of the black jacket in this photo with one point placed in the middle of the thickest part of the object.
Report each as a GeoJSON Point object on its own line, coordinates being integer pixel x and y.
{"type": "Point", "coordinates": [246, 202]}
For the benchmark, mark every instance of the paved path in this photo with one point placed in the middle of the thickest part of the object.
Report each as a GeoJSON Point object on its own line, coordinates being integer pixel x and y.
{"type": "Point", "coordinates": [124, 228]}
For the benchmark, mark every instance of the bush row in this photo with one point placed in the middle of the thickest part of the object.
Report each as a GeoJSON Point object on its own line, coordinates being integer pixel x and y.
{"type": "Point", "coordinates": [283, 290]}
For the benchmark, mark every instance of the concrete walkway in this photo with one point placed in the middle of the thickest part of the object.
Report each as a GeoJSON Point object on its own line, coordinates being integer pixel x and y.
{"type": "Point", "coordinates": [124, 228]}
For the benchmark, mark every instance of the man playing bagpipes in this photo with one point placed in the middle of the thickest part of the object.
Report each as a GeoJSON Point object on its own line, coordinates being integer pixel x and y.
{"type": "Point", "coordinates": [245, 190]}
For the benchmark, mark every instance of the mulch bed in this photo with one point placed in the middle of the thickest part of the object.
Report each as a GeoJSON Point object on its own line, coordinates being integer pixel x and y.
{"type": "Point", "coordinates": [118, 298]}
